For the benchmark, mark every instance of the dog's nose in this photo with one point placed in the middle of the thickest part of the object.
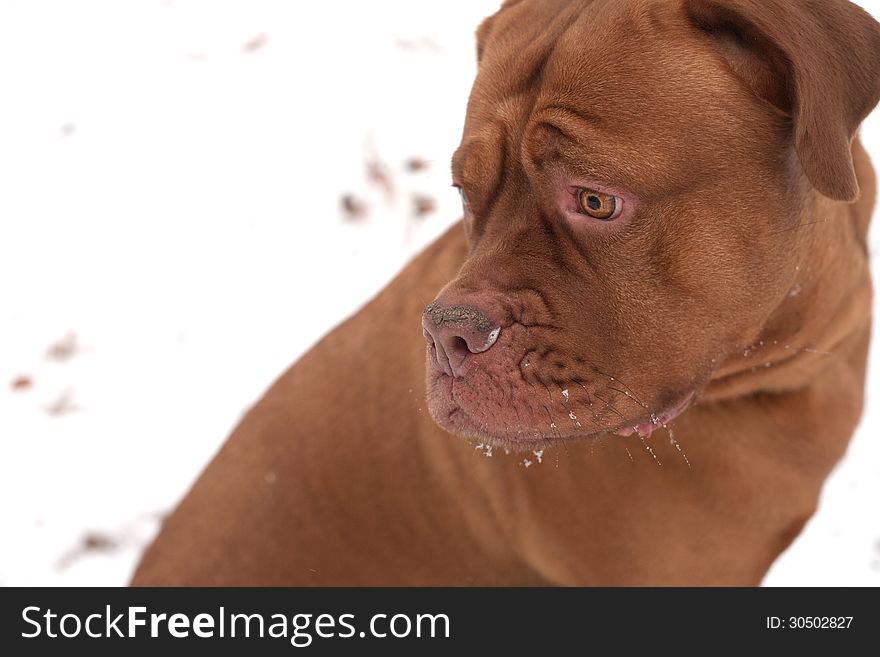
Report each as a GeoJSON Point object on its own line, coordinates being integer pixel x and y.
{"type": "Point", "coordinates": [455, 332]}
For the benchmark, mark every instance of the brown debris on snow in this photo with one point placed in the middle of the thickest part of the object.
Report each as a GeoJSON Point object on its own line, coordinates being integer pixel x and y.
{"type": "Point", "coordinates": [423, 206]}
{"type": "Point", "coordinates": [93, 542]}
{"type": "Point", "coordinates": [416, 164]}
{"type": "Point", "coordinates": [22, 383]}
{"type": "Point", "coordinates": [353, 208]}
{"type": "Point", "coordinates": [63, 405]}
{"type": "Point", "coordinates": [255, 44]}
{"type": "Point", "coordinates": [65, 349]}
{"type": "Point", "coordinates": [90, 543]}
{"type": "Point", "coordinates": [379, 176]}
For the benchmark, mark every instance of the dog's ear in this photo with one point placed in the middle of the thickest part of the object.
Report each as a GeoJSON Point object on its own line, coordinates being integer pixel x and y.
{"type": "Point", "coordinates": [485, 28]}
{"type": "Point", "coordinates": [816, 60]}
{"type": "Point", "coordinates": [483, 35]}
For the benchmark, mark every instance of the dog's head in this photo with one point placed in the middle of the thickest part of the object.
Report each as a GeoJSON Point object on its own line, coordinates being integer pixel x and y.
{"type": "Point", "coordinates": [631, 171]}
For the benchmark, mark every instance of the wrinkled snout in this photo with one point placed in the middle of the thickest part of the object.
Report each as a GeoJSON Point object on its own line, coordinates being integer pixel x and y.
{"type": "Point", "coordinates": [454, 333]}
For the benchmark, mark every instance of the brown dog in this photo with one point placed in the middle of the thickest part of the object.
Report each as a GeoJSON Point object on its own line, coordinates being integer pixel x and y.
{"type": "Point", "coordinates": [665, 219]}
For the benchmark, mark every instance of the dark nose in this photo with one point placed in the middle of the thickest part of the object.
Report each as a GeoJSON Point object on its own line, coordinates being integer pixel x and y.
{"type": "Point", "coordinates": [455, 332]}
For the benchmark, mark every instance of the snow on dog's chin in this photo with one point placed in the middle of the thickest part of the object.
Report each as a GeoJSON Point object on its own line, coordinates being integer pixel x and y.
{"type": "Point", "coordinates": [657, 420]}
{"type": "Point", "coordinates": [517, 396]}
{"type": "Point", "coordinates": [506, 412]}
{"type": "Point", "coordinates": [499, 407]}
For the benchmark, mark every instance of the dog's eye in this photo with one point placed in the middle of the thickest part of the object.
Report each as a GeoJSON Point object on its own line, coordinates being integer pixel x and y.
{"type": "Point", "coordinates": [598, 205]}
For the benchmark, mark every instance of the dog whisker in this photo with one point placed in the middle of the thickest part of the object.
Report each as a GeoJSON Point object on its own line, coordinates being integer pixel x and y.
{"type": "Point", "coordinates": [555, 429]}
{"type": "Point", "coordinates": [623, 383]}
{"type": "Point", "coordinates": [628, 396]}
{"type": "Point", "coordinates": [798, 227]}
{"type": "Point", "coordinates": [571, 414]}
{"type": "Point", "coordinates": [590, 407]}
{"type": "Point", "coordinates": [600, 422]}
{"type": "Point", "coordinates": [749, 351]}
{"type": "Point", "coordinates": [650, 450]}
{"type": "Point", "coordinates": [553, 426]}
{"type": "Point", "coordinates": [553, 423]}
{"type": "Point", "coordinates": [610, 407]}
{"type": "Point", "coordinates": [675, 444]}
{"type": "Point", "coordinates": [549, 414]}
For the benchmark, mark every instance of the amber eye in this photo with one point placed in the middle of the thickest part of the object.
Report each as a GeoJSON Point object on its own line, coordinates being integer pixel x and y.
{"type": "Point", "coordinates": [597, 205]}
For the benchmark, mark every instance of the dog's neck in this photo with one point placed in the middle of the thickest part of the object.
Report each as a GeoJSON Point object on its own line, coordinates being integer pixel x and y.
{"type": "Point", "coordinates": [826, 307]}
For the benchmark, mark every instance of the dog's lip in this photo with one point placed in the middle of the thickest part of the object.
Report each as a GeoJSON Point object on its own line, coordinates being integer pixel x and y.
{"type": "Point", "coordinates": [657, 420]}
{"type": "Point", "coordinates": [527, 440]}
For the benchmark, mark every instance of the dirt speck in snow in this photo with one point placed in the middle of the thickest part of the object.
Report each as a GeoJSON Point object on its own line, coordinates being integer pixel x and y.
{"type": "Point", "coordinates": [423, 206]}
{"type": "Point", "coordinates": [353, 208]}
{"type": "Point", "coordinates": [63, 405]}
{"type": "Point", "coordinates": [255, 44]}
{"type": "Point", "coordinates": [91, 543]}
{"type": "Point", "coordinates": [21, 383]}
{"type": "Point", "coordinates": [64, 349]}
{"type": "Point", "coordinates": [379, 176]}
{"type": "Point", "coordinates": [416, 164]}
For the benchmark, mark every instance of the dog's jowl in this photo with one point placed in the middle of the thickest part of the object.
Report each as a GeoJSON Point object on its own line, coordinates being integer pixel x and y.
{"type": "Point", "coordinates": [653, 319]}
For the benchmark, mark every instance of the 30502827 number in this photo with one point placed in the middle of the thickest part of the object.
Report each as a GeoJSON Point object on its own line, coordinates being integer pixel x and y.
{"type": "Point", "coordinates": [809, 622]}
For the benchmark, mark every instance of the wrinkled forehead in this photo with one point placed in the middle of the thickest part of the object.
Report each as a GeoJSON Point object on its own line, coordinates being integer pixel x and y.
{"type": "Point", "coordinates": [609, 59]}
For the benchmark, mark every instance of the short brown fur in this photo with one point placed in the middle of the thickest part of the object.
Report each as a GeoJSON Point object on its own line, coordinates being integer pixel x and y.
{"type": "Point", "coordinates": [741, 277]}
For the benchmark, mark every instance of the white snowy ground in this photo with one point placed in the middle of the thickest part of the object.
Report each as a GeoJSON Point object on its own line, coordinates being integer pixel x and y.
{"type": "Point", "coordinates": [171, 238]}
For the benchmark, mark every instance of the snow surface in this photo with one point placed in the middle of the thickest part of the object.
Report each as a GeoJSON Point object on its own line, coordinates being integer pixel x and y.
{"type": "Point", "coordinates": [172, 236]}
